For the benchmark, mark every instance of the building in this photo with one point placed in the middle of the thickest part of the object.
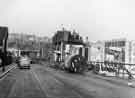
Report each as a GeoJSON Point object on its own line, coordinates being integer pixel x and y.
{"type": "Point", "coordinates": [66, 43]}
{"type": "Point", "coordinates": [115, 50]}
{"type": "Point", "coordinates": [130, 52]}
{"type": "Point", "coordinates": [27, 37]}
{"type": "Point", "coordinates": [120, 50]}
{"type": "Point", "coordinates": [96, 51]}
{"type": "Point", "coordinates": [29, 43]}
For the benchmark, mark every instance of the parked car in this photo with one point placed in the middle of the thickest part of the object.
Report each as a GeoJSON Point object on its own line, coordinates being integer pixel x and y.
{"type": "Point", "coordinates": [24, 62]}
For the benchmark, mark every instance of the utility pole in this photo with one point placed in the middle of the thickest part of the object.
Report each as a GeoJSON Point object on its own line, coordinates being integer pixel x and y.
{"type": "Point", "coordinates": [3, 57]}
{"type": "Point", "coordinates": [4, 35]}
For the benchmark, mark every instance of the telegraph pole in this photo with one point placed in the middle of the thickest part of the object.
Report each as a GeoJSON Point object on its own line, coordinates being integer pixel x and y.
{"type": "Point", "coordinates": [4, 34]}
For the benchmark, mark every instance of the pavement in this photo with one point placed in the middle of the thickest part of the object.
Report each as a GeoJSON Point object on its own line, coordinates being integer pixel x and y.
{"type": "Point", "coordinates": [112, 79]}
{"type": "Point", "coordinates": [44, 82]}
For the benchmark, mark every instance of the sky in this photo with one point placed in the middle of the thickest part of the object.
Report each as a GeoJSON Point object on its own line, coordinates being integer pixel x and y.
{"type": "Point", "coordinates": [97, 19]}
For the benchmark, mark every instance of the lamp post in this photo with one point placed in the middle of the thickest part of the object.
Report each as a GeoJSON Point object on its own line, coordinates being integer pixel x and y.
{"type": "Point", "coordinates": [17, 45]}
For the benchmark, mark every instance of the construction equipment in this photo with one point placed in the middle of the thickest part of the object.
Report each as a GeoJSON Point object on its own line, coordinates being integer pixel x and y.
{"type": "Point", "coordinates": [69, 50]}
{"type": "Point", "coordinates": [75, 63]}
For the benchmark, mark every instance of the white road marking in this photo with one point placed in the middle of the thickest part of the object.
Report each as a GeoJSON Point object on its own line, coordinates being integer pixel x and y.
{"type": "Point", "coordinates": [39, 82]}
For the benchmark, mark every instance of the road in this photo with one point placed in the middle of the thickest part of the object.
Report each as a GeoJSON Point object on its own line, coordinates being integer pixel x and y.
{"type": "Point", "coordinates": [43, 82]}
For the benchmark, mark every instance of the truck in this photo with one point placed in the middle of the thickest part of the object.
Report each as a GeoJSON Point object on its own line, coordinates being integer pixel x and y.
{"type": "Point", "coordinates": [69, 51]}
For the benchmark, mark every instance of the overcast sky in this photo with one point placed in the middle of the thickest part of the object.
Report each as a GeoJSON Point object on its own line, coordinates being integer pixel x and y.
{"type": "Point", "coordinates": [97, 19]}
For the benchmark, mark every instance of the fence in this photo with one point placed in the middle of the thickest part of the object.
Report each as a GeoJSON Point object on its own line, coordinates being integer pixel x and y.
{"type": "Point", "coordinates": [123, 70]}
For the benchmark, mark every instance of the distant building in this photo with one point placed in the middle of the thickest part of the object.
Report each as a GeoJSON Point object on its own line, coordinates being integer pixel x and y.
{"type": "Point", "coordinates": [120, 50]}
{"type": "Point", "coordinates": [27, 37]}
{"type": "Point", "coordinates": [130, 52]}
{"type": "Point", "coordinates": [28, 42]}
{"type": "Point", "coordinates": [115, 50]}
{"type": "Point", "coordinates": [96, 51]}
{"type": "Point", "coordinates": [67, 43]}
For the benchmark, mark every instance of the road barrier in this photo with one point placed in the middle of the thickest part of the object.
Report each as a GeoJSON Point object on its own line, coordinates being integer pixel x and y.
{"type": "Point", "coordinates": [124, 70]}
{"type": "Point", "coordinates": [8, 70]}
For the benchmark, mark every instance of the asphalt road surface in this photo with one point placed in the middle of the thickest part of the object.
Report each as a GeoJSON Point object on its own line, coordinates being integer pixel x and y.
{"type": "Point", "coordinates": [43, 82]}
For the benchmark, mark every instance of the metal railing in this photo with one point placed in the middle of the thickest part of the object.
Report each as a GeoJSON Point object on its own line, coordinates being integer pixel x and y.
{"type": "Point", "coordinates": [124, 70]}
